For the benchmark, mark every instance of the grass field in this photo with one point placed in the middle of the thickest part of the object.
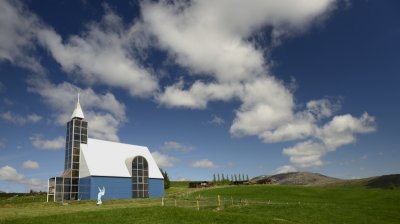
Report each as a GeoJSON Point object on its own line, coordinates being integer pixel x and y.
{"type": "Point", "coordinates": [244, 204]}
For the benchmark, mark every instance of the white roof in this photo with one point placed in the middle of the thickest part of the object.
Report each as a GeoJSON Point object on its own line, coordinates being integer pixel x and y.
{"type": "Point", "coordinates": [104, 158]}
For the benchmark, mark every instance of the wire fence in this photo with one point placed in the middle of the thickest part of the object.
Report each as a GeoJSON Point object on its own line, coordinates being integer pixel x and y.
{"type": "Point", "coordinates": [221, 202]}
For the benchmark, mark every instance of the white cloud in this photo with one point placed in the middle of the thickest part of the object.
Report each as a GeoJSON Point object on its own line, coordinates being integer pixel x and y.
{"type": "Point", "coordinates": [340, 131]}
{"type": "Point", "coordinates": [198, 95]}
{"type": "Point", "coordinates": [9, 174]}
{"type": "Point", "coordinates": [163, 160]}
{"type": "Point", "coordinates": [105, 54]}
{"type": "Point", "coordinates": [217, 120]}
{"type": "Point", "coordinates": [235, 68]}
{"type": "Point", "coordinates": [285, 169]}
{"type": "Point", "coordinates": [104, 113]}
{"type": "Point", "coordinates": [364, 157]}
{"type": "Point", "coordinates": [31, 165]}
{"type": "Point", "coordinates": [306, 154]}
{"type": "Point", "coordinates": [20, 119]}
{"type": "Point", "coordinates": [267, 104]}
{"type": "Point", "coordinates": [222, 28]}
{"type": "Point", "coordinates": [176, 146]}
{"type": "Point", "coordinates": [17, 39]}
{"type": "Point", "coordinates": [53, 144]}
{"type": "Point", "coordinates": [204, 163]}
{"type": "Point", "coordinates": [322, 108]}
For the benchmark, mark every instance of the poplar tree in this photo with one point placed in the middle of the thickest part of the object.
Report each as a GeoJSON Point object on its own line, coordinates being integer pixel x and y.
{"type": "Point", "coordinates": [167, 183]}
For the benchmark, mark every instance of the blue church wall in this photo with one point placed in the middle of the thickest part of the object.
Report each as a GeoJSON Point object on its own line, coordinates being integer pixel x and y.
{"type": "Point", "coordinates": [156, 188]}
{"type": "Point", "coordinates": [84, 188]}
{"type": "Point", "coordinates": [116, 187]}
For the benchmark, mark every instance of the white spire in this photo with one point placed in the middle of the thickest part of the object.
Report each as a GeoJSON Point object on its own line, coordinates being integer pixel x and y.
{"type": "Point", "coordinates": [78, 113]}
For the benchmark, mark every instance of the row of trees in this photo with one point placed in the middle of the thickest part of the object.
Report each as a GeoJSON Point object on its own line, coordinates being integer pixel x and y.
{"type": "Point", "coordinates": [217, 178]}
{"type": "Point", "coordinates": [229, 178]}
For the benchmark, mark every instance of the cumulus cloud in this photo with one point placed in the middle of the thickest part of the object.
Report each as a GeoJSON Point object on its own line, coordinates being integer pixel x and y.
{"type": "Point", "coordinates": [176, 146]}
{"type": "Point", "coordinates": [53, 144]}
{"type": "Point", "coordinates": [222, 28]}
{"type": "Point", "coordinates": [235, 68]}
{"type": "Point", "coordinates": [340, 131]}
{"type": "Point", "coordinates": [18, 37]}
{"type": "Point", "coordinates": [104, 54]}
{"type": "Point", "coordinates": [20, 119]}
{"type": "Point", "coordinates": [10, 174]}
{"type": "Point", "coordinates": [204, 163]}
{"type": "Point", "coordinates": [285, 169]}
{"type": "Point", "coordinates": [104, 112]}
{"type": "Point", "coordinates": [31, 165]}
{"type": "Point", "coordinates": [163, 160]}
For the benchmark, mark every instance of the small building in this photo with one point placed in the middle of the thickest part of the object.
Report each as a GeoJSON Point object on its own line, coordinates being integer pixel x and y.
{"type": "Point", "coordinates": [126, 171]}
{"type": "Point", "coordinates": [241, 182]}
{"type": "Point", "coordinates": [266, 181]}
{"type": "Point", "coordinates": [199, 184]}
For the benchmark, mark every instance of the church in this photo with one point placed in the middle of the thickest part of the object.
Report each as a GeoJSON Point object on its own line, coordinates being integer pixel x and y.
{"type": "Point", "coordinates": [125, 171]}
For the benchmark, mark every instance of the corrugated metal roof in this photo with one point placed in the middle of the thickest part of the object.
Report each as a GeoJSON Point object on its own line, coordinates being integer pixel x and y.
{"type": "Point", "coordinates": [105, 158]}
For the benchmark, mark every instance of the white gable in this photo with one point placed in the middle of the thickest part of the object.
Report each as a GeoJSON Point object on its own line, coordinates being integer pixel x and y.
{"type": "Point", "coordinates": [104, 158]}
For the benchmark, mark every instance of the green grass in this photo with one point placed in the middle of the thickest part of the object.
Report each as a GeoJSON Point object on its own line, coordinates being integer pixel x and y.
{"type": "Point", "coordinates": [251, 204]}
{"type": "Point", "coordinates": [179, 184]}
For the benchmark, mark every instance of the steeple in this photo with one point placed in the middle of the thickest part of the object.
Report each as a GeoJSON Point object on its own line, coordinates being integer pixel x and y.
{"type": "Point", "coordinates": [78, 113]}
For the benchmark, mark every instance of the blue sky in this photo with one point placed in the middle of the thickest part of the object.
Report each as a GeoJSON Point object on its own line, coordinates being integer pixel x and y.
{"type": "Point", "coordinates": [252, 87]}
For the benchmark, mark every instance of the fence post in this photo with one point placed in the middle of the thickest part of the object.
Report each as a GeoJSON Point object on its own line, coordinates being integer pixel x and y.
{"type": "Point", "coordinates": [175, 202]}
{"type": "Point", "coordinates": [162, 201]}
{"type": "Point", "coordinates": [198, 205]}
{"type": "Point", "coordinates": [219, 201]}
{"type": "Point", "coordinates": [232, 200]}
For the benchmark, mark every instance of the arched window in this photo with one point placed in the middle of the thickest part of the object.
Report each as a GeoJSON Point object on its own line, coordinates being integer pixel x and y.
{"type": "Point", "coordinates": [140, 177]}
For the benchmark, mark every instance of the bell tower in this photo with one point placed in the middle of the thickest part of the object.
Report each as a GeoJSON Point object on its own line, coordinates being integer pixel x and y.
{"type": "Point", "coordinates": [77, 129]}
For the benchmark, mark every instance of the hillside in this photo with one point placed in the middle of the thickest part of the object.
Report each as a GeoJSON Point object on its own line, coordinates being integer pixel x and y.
{"type": "Point", "coordinates": [385, 181]}
{"type": "Point", "coordinates": [316, 179]}
{"type": "Point", "coordinates": [297, 178]}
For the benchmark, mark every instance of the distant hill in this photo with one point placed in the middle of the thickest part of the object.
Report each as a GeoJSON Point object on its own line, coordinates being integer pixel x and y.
{"type": "Point", "coordinates": [297, 178]}
{"type": "Point", "coordinates": [386, 181]}
{"type": "Point", "coordinates": [316, 179]}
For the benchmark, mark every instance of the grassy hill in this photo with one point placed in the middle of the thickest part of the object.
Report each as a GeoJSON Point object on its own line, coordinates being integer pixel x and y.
{"type": "Point", "coordinates": [386, 181]}
{"type": "Point", "coordinates": [229, 204]}
{"type": "Point", "coordinates": [316, 179]}
{"type": "Point", "coordinates": [298, 178]}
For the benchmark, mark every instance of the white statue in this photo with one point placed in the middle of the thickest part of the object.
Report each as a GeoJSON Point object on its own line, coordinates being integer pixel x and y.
{"type": "Point", "coordinates": [100, 194]}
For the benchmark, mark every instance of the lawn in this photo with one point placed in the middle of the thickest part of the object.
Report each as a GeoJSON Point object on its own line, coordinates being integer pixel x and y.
{"type": "Point", "coordinates": [244, 204]}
